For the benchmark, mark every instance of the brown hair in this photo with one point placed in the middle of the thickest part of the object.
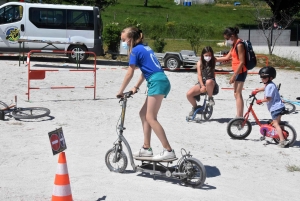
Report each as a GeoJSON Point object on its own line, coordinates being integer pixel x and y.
{"type": "Point", "coordinates": [135, 34]}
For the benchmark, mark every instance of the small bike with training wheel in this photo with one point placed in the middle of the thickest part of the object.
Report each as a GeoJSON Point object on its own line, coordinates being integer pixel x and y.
{"type": "Point", "coordinates": [203, 112]}
{"type": "Point", "coordinates": [22, 113]}
{"type": "Point", "coordinates": [188, 169]}
{"type": "Point", "coordinates": [240, 128]}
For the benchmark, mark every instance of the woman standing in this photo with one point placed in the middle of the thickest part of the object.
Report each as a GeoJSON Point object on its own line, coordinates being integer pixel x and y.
{"type": "Point", "coordinates": [237, 54]}
{"type": "Point", "coordinates": [158, 84]}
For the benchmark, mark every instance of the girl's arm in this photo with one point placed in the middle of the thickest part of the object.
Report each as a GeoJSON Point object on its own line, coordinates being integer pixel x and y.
{"type": "Point", "coordinates": [199, 73]}
{"type": "Point", "coordinates": [241, 53]}
{"type": "Point", "coordinates": [138, 84]}
{"type": "Point", "coordinates": [225, 58]}
{"type": "Point", "coordinates": [127, 78]}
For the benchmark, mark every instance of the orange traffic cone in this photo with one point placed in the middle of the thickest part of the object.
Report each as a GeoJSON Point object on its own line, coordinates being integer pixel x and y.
{"type": "Point", "coordinates": [62, 188]}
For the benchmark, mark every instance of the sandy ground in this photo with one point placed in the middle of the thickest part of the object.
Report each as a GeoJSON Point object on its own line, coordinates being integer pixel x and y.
{"type": "Point", "coordinates": [236, 169]}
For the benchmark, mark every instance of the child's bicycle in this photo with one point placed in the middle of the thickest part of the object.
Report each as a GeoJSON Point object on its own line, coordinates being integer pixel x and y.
{"type": "Point", "coordinates": [188, 169]}
{"type": "Point", "coordinates": [205, 111]}
{"type": "Point", "coordinates": [240, 128]}
{"type": "Point", "coordinates": [22, 113]}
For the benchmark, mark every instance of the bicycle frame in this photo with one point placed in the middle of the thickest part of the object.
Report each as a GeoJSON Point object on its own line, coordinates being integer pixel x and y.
{"type": "Point", "coordinates": [251, 110]}
{"type": "Point", "coordinates": [121, 128]}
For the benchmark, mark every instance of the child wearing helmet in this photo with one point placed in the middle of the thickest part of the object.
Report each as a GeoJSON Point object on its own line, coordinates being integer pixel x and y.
{"type": "Point", "coordinates": [272, 97]}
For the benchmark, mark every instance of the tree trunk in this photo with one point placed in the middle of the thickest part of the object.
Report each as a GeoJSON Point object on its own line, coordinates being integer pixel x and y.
{"type": "Point", "coordinates": [146, 3]}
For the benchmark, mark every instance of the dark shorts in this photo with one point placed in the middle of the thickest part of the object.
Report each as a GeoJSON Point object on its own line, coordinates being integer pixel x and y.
{"type": "Point", "coordinates": [204, 81]}
{"type": "Point", "coordinates": [276, 113]}
{"type": "Point", "coordinates": [241, 77]}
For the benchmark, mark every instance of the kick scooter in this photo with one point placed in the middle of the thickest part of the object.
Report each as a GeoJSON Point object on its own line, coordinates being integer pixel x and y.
{"type": "Point", "coordinates": [188, 169]}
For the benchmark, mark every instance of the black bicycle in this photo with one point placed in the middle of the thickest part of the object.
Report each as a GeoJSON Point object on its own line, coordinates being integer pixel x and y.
{"type": "Point", "coordinates": [22, 113]}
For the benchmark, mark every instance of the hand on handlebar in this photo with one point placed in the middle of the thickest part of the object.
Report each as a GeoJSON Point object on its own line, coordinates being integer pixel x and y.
{"type": "Point", "coordinates": [258, 102]}
{"type": "Point", "coordinates": [254, 92]}
{"type": "Point", "coordinates": [126, 94]}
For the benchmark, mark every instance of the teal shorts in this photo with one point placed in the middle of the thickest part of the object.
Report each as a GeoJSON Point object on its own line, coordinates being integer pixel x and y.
{"type": "Point", "coordinates": [158, 84]}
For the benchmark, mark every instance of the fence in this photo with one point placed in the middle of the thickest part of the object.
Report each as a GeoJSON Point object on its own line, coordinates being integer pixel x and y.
{"type": "Point", "coordinates": [34, 74]}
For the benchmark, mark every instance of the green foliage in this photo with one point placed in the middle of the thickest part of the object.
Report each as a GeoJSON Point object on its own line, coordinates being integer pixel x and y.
{"type": "Point", "coordinates": [129, 22]}
{"type": "Point", "coordinates": [159, 45]}
{"type": "Point", "coordinates": [111, 36]}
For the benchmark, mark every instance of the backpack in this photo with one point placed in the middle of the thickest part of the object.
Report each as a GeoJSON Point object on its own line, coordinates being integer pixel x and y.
{"type": "Point", "coordinates": [250, 55]}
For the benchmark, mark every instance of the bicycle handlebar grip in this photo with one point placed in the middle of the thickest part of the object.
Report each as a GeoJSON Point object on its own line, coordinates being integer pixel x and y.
{"type": "Point", "coordinates": [254, 92]}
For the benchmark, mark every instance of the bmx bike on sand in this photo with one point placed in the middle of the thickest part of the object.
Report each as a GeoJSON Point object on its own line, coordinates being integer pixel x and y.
{"type": "Point", "coordinates": [22, 113]}
{"type": "Point", "coordinates": [240, 128]}
{"type": "Point", "coordinates": [203, 112]}
{"type": "Point", "coordinates": [188, 169]}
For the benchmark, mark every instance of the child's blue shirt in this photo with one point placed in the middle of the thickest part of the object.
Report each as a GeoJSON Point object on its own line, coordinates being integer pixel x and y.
{"type": "Point", "coordinates": [275, 103]}
{"type": "Point", "coordinates": [143, 57]}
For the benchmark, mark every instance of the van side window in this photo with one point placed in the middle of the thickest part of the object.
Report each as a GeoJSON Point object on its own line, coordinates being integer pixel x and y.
{"type": "Point", "coordinates": [80, 20]}
{"type": "Point", "coordinates": [10, 14]}
{"type": "Point", "coordinates": [48, 18]}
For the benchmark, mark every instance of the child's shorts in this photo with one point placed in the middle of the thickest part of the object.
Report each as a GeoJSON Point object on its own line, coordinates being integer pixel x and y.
{"type": "Point", "coordinates": [276, 113]}
{"type": "Point", "coordinates": [241, 77]}
{"type": "Point", "coordinates": [158, 84]}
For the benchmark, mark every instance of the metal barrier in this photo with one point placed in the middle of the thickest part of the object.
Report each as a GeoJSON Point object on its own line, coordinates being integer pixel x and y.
{"type": "Point", "coordinates": [41, 74]}
{"type": "Point", "coordinates": [265, 57]}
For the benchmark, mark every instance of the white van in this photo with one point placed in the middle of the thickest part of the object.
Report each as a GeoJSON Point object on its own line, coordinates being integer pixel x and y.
{"type": "Point", "coordinates": [49, 22]}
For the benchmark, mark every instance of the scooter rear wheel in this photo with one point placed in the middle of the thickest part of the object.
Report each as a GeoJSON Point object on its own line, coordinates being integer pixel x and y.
{"type": "Point", "coordinates": [116, 161]}
{"type": "Point", "coordinates": [195, 171]}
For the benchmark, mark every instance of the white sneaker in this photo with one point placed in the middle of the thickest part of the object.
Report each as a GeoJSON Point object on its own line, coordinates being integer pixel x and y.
{"type": "Point", "coordinates": [164, 155]}
{"type": "Point", "coordinates": [211, 101]}
{"type": "Point", "coordinates": [143, 152]}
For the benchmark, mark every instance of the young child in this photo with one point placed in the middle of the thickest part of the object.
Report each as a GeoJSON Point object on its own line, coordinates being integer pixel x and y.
{"type": "Point", "coordinates": [158, 84]}
{"type": "Point", "coordinates": [206, 78]}
{"type": "Point", "coordinates": [272, 97]}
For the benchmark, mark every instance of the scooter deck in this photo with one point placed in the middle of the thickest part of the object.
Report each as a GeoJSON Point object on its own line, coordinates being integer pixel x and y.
{"type": "Point", "coordinates": [151, 159]}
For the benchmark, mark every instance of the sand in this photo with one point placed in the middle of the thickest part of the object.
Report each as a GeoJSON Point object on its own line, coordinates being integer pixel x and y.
{"type": "Point", "coordinates": [236, 169]}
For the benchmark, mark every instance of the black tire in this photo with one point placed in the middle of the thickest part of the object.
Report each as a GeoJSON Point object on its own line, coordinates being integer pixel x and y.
{"type": "Point", "coordinates": [195, 171]}
{"type": "Point", "coordinates": [208, 112]}
{"type": "Point", "coordinates": [172, 62]}
{"type": "Point", "coordinates": [30, 113]}
{"type": "Point", "coordinates": [82, 56]}
{"type": "Point", "coordinates": [120, 165]}
{"type": "Point", "coordinates": [289, 107]}
{"type": "Point", "coordinates": [291, 131]}
{"type": "Point", "coordinates": [3, 105]}
{"type": "Point", "coordinates": [235, 129]}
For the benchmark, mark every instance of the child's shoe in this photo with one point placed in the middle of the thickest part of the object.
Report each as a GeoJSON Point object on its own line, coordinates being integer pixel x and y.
{"type": "Point", "coordinates": [143, 152]}
{"type": "Point", "coordinates": [283, 144]}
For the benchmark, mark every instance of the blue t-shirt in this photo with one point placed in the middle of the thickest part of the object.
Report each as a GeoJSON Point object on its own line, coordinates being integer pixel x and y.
{"type": "Point", "coordinates": [275, 103]}
{"type": "Point", "coordinates": [143, 57]}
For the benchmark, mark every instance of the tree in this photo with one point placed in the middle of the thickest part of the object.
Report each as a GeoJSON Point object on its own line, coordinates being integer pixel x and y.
{"type": "Point", "coordinates": [273, 22]}
{"type": "Point", "coordinates": [280, 7]}
{"type": "Point", "coordinates": [145, 3]}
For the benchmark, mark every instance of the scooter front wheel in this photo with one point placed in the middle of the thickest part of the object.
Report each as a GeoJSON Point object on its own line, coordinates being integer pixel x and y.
{"type": "Point", "coordinates": [236, 130]}
{"type": "Point", "coordinates": [116, 161]}
{"type": "Point", "coordinates": [195, 171]}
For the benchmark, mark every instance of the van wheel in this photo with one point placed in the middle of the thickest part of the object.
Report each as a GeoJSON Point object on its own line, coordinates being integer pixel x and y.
{"type": "Point", "coordinates": [81, 56]}
{"type": "Point", "coordinates": [172, 63]}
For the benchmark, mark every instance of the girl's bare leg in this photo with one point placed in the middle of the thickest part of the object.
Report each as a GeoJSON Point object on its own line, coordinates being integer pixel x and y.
{"type": "Point", "coordinates": [238, 87]}
{"type": "Point", "coordinates": [210, 84]}
{"type": "Point", "coordinates": [194, 91]}
{"type": "Point", "coordinates": [152, 107]}
{"type": "Point", "coordinates": [146, 126]}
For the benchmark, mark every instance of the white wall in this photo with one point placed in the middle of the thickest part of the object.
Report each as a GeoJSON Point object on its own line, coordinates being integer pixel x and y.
{"type": "Point", "coordinates": [257, 37]}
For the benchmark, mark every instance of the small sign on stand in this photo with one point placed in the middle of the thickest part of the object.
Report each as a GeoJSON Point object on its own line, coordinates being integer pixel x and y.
{"type": "Point", "coordinates": [57, 141]}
